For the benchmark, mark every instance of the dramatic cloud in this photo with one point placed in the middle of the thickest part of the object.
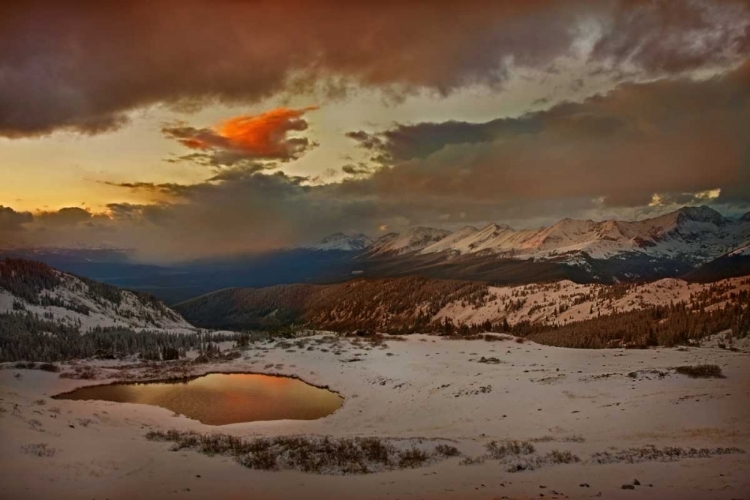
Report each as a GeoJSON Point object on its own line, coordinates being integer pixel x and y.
{"type": "Point", "coordinates": [10, 220]}
{"type": "Point", "coordinates": [668, 136]}
{"type": "Point", "coordinates": [69, 226]}
{"type": "Point", "coordinates": [639, 150]}
{"type": "Point", "coordinates": [664, 36]}
{"type": "Point", "coordinates": [406, 142]}
{"type": "Point", "coordinates": [83, 66]}
{"type": "Point", "coordinates": [64, 217]}
{"type": "Point", "coordinates": [246, 138]}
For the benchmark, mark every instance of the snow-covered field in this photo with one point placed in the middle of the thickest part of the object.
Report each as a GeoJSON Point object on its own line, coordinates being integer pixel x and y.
{"type": "Point", "coordinates": [580, 401]}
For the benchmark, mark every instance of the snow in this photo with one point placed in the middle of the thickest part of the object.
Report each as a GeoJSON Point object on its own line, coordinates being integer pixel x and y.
{"type": "Point", "coordinates": [424, 389]}
{"type": "Point", "coordinates": [744, 250]}
{"type": "Point", "coordinates": [697, 234]}
{"type": "Point", "coordinates": [447, 243]}
{"type": "Point", "coordinates": [414, 239]}
{"type": "Point", "coordinates": [343, 242]}
{"type": "Point", "coordinates": [579, 301]}
{"type": "Point", "coordinates": [131, 312]}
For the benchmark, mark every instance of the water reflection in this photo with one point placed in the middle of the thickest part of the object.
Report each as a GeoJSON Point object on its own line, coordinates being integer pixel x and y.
{"type": "Point", "coordinates": [222, 398]}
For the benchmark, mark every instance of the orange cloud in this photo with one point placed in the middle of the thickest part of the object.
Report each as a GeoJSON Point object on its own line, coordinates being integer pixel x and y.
{"type": "Point", "coordinates": [247, 137]}
{"type": "Point", "coordinates": [194, 143]}
{"type": "Point", "coordinates": [264, 134]}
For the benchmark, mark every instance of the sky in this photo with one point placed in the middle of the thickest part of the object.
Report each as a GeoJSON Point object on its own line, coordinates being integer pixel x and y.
{"type": "Point", "coordinates": [183, 129]}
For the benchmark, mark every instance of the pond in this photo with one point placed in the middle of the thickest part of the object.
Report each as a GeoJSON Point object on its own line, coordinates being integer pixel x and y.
{"type": "Point", "coordinates": [223, 398]}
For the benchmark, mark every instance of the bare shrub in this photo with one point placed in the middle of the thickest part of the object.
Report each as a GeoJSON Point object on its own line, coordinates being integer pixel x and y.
{"type": "Point", "coordinates": [447, 450]}
{"type": "Point", "coordinates": [651, 453]}
{"type": "Point", "coordinates": [574, 438]}
{"type": "Point", "coordinates": [39, 450]}
{"type": "Point", "coordinates": [532, 462]}
{"type": "Point", "coordinates": [501, 450]}
{"type": "Point", "coordinates": [700, 371]}
{"type": "Point", "coordinates": [473, 460]}
{"type": "Point", "coordinates": [84, 422]}
{"type": "Point", "coordinates": [561, 457]}
{"type": "Point", "coordinates": [81, 373]}
{"type": "Point", "coordinates": [412, 458]}
{"type": "Point", "coordinates": [318, 455]}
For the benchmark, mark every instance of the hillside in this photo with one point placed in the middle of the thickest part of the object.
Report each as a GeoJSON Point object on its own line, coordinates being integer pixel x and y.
{"type": "Point", "coordinates": [29, 288]}
{"type": "Point", "coordinates": [665, 312]}
{"type": "Point", "coordinates": [393, 304]}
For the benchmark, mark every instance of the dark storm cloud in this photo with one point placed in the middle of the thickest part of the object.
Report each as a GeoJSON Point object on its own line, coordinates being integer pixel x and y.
{"type": "Point", "coordinates": [668, 136]}
{"type": "Point", "coordinates": [406, 142]}
{"type": "Point", "coordinates": [666, 36]}
{"type": "Point", "coordinates": [10, 220]}
{"type": "Point", "coordinates": [64, 216]}
{"type": "Point", "coordinates": [83, 65]}
{"type": "Point", "coordinates": [66, 226]}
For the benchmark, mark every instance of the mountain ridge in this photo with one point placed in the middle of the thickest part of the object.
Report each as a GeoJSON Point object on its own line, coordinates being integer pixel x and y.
{"type": "Point", "coordinates": [693, 234]}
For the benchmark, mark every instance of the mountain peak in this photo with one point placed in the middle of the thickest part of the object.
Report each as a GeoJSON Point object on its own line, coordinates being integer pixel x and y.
{"type": "Point", "coordinates": [701, 214]}
{"type": "Point", "coordinates": [344, 242]}
{"type": "Point", "coordinates": [412, 240]}
{"type": "Point", "coordinates": [493, 228]}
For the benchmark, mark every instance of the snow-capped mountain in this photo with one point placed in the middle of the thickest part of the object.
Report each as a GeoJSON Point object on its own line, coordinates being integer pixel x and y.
{"type": "Point", "coordinates": [343, 242]}
{"type": "Point", "coordinates": [413, 240]}
{"type": "Point", "coordinates": [447, 244]}
{"type": "Point", "coordinates": [696, 234]}
{"type": "Point", "coordinates": [670, 245]}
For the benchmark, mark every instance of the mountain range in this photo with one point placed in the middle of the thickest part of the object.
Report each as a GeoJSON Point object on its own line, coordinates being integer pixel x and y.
{"type": "Point", "coordinates": [693, 243]}
{"type": "Point", "coordinates": [669, 245]}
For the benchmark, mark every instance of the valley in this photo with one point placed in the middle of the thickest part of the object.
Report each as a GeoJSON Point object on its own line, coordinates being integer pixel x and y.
{"type": "Point", "coordinates": [447, 389]}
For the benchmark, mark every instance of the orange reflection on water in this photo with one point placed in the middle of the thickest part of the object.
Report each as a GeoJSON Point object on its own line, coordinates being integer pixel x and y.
{"type": "Point", "coordinates": [221, 398]}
